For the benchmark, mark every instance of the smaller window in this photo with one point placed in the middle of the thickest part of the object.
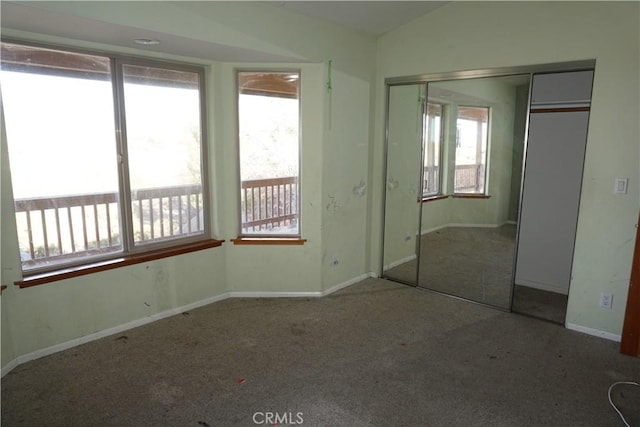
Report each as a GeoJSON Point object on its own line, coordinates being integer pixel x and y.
{"type": "Point", "coordinates": [268, 126]}
{"type": "Point", "coordinates": [471, 150]}
{"type": "Point", "coordinates": [432, 151]}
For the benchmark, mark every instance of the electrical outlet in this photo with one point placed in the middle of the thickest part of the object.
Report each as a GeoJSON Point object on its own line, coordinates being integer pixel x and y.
{"type": "Point", "coordinates": [335, 262]}
{"type": "Point", "coordinates": [606, 300]}
{"type": "Point", "coordinates": [407, 237]}
{"type": "Point", "coordinates": [621, 186]}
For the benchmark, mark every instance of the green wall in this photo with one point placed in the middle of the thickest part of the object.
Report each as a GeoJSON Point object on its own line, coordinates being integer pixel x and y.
{"type": "Point", "coordinates": [500, 97]}
{"type": "Point", "coordinates": [403, 168]}
{"type": "Point", "coordinates": [501, 34]}
{"type": "Point", "coordinates": [335, 158]}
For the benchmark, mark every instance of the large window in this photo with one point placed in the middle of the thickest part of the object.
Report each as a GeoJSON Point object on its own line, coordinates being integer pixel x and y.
{"type": "Point", "coordinates": [432, 151]}
{"type": "Point", "coordinates": [268, 125]}
{"type": "Point", "coordinates": [471, 150]}
{"type": "Point", "coordinates": [106, 155]}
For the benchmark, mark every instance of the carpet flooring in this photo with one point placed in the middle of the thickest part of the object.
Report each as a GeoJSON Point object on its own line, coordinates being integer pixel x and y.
{"type": "Point", "coordinates": [376, 353]}
{"type": "Point", "coordinates": [540, 304]}
{"type": "Point", "coordinates": [476, 263]}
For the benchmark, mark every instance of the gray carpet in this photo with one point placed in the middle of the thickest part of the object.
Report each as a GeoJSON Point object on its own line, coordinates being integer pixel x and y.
{"type": "Point", "coordinates": [540, 304]}
{"type": "Point", "coordinates": [374, 354]}
{"type": "Point", "coordinates": [475, 263]}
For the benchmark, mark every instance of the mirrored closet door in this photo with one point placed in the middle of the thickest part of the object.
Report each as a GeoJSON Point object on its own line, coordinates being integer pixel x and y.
{"type": "Point", "coordinates": [402, 183]}
{"type": "Point", "coordinates": [469, 206]}
{"type": "Point", "coordinates": [474, 145]}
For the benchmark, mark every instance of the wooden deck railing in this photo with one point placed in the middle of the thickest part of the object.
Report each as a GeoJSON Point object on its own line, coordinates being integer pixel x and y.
{"type": "Point", "coordinates": [55, 228]}
{"type": "Point", "coordinates": [468, 178]}
{"type": "Point", "coordinates": [431, 183]}
{"type": "Point", "coordinates": [269, 204]}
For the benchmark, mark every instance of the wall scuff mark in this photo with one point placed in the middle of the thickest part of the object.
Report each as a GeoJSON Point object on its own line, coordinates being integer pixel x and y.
{"type": "Point", "coordinates": [361, 189]}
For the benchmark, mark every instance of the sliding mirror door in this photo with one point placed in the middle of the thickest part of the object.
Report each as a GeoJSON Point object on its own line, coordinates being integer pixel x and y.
{"type": "Point", "coordinates": [474, 146]}
{"type": "Point", "coordinates": [402, 182]}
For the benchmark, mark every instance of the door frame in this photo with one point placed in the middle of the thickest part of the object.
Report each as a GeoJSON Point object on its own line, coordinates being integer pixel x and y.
{"type": "Point", "coordinates": [630, 342]}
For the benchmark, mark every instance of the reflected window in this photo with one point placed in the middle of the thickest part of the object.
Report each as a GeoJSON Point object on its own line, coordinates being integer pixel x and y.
{"type": "Point", "coordinates": [432, 151]}
{"type": "Point", "coordinates": [471, 150]}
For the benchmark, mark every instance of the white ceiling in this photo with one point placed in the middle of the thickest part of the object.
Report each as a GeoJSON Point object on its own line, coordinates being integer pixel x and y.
{"type": "Point", "coordinates": [371, 17]}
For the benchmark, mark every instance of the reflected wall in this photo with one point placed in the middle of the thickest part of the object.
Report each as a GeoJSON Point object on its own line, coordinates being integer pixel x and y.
{"type": "Point", "coordinates": [452, 226]}
{"type": "Point", "coordinates": [402, 182]}
{"type": "Point", "coordinates": [468, 234]}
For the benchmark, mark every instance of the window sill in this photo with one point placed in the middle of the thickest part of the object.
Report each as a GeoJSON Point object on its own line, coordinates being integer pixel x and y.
{"type": "Point", "coordinates": [434, 198]}
{"type": "Point", "coordinates": [471, 196]}
{"type": "Point", "coordinates": [67, 273]}
{"type": "Point", "coordinates": [268, 241]}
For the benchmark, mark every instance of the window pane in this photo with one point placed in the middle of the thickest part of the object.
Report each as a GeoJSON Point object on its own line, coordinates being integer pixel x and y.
{"type": "Point", "coordinates": [268, 115]}
{"type": "Point", "coordinates": [433, 128]}
{"type": "Point", "coordinates": [59, 117]}
{"type": "Point", "coordinates": [162, 111]}
{"type": "Point", "coordinates": [471, 150]}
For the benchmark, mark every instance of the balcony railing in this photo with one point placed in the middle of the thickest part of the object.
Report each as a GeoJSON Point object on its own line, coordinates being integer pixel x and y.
{"type": "Point", "coordinates": [269, 205]}
{"type": "Point", "coordinates": [56, 229]}
{"type": "Point", "coordinates": [431, 183]}
{"type": "Point", "coordinates": [468, 179]}
{"type": "Point", "coordinates": [52, 229]}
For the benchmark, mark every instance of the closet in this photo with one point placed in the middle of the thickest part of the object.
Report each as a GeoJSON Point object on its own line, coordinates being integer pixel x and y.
{"type": "Point", "coordinates": [524, 202]}
{"type": "Point", "coordinates": [558, 120]}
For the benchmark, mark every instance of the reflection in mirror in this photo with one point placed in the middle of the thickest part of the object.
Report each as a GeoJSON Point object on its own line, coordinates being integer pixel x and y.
{"type": "Point", "coordinates": [474, 142]}
{"type": "Point", "coordinates": [402, 192]}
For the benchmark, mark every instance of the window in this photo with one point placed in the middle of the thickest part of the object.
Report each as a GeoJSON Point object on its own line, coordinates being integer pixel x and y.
{"type": "Point", "coordinates": [432, 151]}
{"type": "Point", "coordinates": [268, 125]}
{"type": "Point", "coordinates": [99, 168]}
{"type": "Point", "coordinates": [471, 150]}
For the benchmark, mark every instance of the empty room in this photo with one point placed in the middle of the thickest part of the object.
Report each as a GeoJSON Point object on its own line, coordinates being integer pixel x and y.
{"type": "Point", "coordinates": [320, 213]}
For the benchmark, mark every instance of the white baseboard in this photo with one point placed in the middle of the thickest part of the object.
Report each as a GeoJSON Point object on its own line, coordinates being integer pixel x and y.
{"type": "Point", "coordinates": [107, 332]}
{"type": "Point", "coordinates": [431, 230]}
{"type": "Point", "coordinates": [301, 294]}
{"type": "Point", "coordinates": [9, 367]}
{"type": "Point", "coordinates": [171, 312]}
{"type": "Point", "coordinates": [348, 283]}
{"type": "Point", "coordinates": [463, 225]}
{"type": "Point", "coordinates": [541, 286]}
{"type": "Point", "coordinates": [400, 262]}
{"type": "Point", "coordinates": [277, 294]}
{"type": "Point", "coordinates": [594, 332]}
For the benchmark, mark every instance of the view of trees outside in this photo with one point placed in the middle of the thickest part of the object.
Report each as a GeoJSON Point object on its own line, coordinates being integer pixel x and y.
{"type": "Point", "coordinates": [163, 132]}
{"type": "Point", "coordinates": [52, 122]}
{"type": "Point", "coordinates": [62, 142]}
{"type": "Point", "coordinates": [268, 137]}
{"type": "Point", "coordinates": [164, 147]}
{"type": "Point", "coordinates": [269, 141]}
{"type": "Point", "coordinates": [471, 150]}
{"type": "Point", "coordinates": [466, 147]}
